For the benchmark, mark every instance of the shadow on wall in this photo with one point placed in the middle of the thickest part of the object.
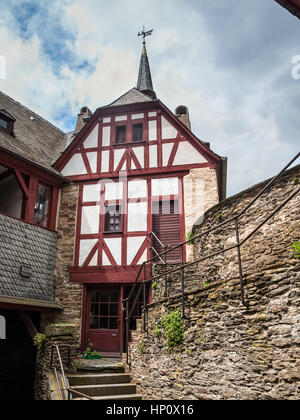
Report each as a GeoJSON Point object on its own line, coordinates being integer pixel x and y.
{"type": "Point", "coordinates": [17, 359]}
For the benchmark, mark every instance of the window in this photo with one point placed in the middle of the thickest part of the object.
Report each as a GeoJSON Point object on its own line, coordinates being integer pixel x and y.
{"type": "Point", "coordinates": [137, 132]}
{"type": "Point", "coordinates": [42, 205]}
{"type": "Point", "coordinates": [113, 219]}
{"type": "Point", "coordinates": [121, 134]}
{"type": "Point", "coordinates": [6, 122]}
{"type": "Point", "coordinates": [3, 124]}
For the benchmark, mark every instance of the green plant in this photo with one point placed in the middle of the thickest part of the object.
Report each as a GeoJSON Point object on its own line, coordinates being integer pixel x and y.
{"type": "Point", "coordinates": [39, 340]}
{"type": "Point", "coordinates": [219, 216]}
{"type": "Point", "coordinates": [154, 285]}
{"type": "Point", "coordinates": [190, 237]}
{"type": "Point", "coordinates": [172, 325]}
{"type": "Point", "coordinates": [157, 330]}
{"type": "Point", "coordinates": [91, 353]}
{"type": "Point", "coordinates": [141, 348]}
{"type": "Point", "coordinates": [296, 180]}
{"type": "Point", "coordinates": [296, 247]}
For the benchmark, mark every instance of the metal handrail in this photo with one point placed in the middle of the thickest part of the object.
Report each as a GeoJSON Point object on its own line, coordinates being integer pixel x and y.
{"type": "Point", "coordinates": [158, 240]}
{"type": "Point", "coordinates": [66, 385]}
{"type": "Point", "coordinates": [183, 265]}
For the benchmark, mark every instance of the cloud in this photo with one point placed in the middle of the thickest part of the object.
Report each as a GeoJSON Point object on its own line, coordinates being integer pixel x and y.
{"type": "Point", "coordinates": [231, 65]}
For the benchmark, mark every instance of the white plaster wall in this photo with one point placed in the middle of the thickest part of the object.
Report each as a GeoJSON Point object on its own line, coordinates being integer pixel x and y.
{"type": "Point", "coordinates": [187, 154]}
{"type": "Point", "coordinates": [167, 149]}
{"type": "Point", "coordinates": [86, 245]}
{"type": "Point", "coordinates": [75, 166]}
{"type": "Point", "coordinates": [92, 139]}
{"type": "Point", "coordinates": [90, 220]}
{"type": "Point", "coordinates": [164, 186]}
{"type": "Point", "coordinates": [114, 191]}
{"type": "Point", "coordinates": [115, 247]}
{"type": "Point", "coordinates": [168, 131]}
{"type": "Point", "coordinates": [105, 136]}
{"type": "Point", "coordinates": [153, 163]}
{"type": "Point", "coordinates": [137, 189]}
{"type": "Point", "coordinates": [137, 217]}
{"type": "Point", "coordinates": [91, 192]}
{"type": "Point", "coordinates": [152, 130]}
{"type": "Point", "coordinates": [105, 161]}
{"type": "Point", "coordinates": [92, 158]}
{"type": "Point", "coordinates": [133, 246]}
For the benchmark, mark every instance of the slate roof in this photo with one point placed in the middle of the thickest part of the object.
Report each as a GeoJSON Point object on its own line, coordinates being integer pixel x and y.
{"type": "Point", "coordinates": [34, 138]}
{"type": "Point", "coordinates": [23, 244]}
{"type": "Point", "coordinates": [144, 83]}
{"type": "Point", "coordinates": [133, 96]}
{"type": "Point", "coordinates": [293, 6]}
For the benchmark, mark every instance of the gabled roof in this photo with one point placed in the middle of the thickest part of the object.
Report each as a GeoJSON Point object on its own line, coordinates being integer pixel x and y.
{"type": "Point", "coordinates": [34, 138]}
{"type": "Point", "coordinates": [293, 6]}
{"type": "Point", "coordinates": [133, 96]}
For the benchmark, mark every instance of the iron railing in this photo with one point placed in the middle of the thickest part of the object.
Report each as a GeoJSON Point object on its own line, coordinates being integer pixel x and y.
{"type": "Point", "coordinates": [65, 388]}
{"type": "Point", "coordinates": [141, 285]}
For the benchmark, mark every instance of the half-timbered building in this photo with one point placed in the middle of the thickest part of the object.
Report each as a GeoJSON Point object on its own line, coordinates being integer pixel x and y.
{"type": "Point", "coordinates": [80, 212]}
{"type": "Point", "coordinates": [142, 177]}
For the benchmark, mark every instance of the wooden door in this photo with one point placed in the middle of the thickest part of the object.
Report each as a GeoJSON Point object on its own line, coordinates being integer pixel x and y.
{"type": "Point", "coordinates": [103, 319]}
{"type": "Point", "coordinates": [166, 225]}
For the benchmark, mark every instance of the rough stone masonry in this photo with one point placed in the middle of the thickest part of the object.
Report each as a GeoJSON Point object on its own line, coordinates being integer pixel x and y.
{"type": "Point", "coordinates": [230, 351]}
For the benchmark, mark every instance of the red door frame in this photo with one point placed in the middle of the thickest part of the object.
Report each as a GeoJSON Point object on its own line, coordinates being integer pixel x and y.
{"type": "Point", "coordinates": [86, 316]}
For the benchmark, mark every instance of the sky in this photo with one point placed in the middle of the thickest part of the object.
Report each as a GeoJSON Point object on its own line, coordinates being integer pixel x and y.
{"type": "Point", "coordinates": [234, 64]}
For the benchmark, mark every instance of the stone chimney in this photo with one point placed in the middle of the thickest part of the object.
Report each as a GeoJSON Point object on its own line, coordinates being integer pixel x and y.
{"type": "Point", "coordinates": [83, 117]}
{"type": "Point", "coordinates": [182, 113]}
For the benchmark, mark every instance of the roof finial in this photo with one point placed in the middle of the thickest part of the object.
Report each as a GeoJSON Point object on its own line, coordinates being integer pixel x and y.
{"type": "Point", "coordinates": [144, 34]}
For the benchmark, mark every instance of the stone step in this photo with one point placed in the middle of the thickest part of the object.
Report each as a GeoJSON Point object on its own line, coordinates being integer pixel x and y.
{"type": "Point", "coordinates": [114, 397]}
{"type": "Point", "coordinates": [97, 366]}
{"type": "Point", "coordinates": [98, 379]}
{"type": "Point", "coordinates": [106, 390]}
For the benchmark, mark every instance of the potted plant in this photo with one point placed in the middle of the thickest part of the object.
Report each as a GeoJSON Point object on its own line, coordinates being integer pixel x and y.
{"type": "Point", "coordinates": [91, 354]}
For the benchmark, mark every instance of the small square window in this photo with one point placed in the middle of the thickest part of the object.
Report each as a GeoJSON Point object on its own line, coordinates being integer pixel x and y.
{"type": "Point", "coordinates": [121, 134]}
{"type": "Point", "coordinates": [113, 219]}
{"type": "Point", "coordinates": [3, 124]}
{"type": "Point", "coordinates": [137, 132]}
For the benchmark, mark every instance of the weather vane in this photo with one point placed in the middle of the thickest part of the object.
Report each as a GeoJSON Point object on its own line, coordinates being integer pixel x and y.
{"type": "Point", "coordinates": [144, 33]}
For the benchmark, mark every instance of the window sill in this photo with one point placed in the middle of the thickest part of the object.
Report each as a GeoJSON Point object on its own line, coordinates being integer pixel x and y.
{"type": "Point", "coordinates": [114, 232]}
{"type": "Point", "coordinates": [133, 143]}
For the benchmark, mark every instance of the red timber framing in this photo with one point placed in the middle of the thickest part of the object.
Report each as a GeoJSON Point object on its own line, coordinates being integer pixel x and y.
{"type": "Point", "coordinates": [120, 273]}
{"type": "Point", "coordinates": [129, 162]}
{"type": "Point", "coordinates": [100, 116]}
{"type": "Point", "coordinates": [29, 177]}
{"type": "Point", "coordinates": [110, 160]}
{"type": "Point", "coordinates": [100, 161]}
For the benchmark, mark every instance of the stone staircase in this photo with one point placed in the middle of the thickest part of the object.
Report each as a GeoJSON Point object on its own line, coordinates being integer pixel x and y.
{"type": "Point", "coordinates": [103, 382]}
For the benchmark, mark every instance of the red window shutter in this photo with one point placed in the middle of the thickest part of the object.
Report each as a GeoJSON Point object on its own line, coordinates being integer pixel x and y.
{"type": "Point", "coordinates": [166, 225]}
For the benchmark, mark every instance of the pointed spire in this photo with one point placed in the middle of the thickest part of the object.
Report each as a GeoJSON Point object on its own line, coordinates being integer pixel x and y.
{"type": "Point", "coordinates": [144, 83]}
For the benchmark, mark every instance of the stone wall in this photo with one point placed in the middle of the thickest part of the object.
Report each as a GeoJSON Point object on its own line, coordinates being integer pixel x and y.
{"type": "Point", "coordinates": [230, 351]}
{"type": "Point", "coordinates": [67, 294]}
{"type": "Point", "coordinates": [64, 335]}
{"type": "Point", "coordinates": [269, 247]}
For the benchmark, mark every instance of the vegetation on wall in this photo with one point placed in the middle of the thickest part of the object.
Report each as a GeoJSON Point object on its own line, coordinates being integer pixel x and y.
{"type": "Point", "coordinates": [296, 247]}
{"type": "Point", "coordinates": [171, 328]}
{"type": "Point", "coordinates": [39, 340]}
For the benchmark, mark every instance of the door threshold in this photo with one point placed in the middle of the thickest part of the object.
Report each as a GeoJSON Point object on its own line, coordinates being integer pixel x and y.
{"type": "Point", "coordinates": [109, 355]}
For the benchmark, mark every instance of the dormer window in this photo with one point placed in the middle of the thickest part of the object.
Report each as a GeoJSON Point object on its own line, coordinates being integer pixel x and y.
{"type": "Point", "coordinates": [6, 122]}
